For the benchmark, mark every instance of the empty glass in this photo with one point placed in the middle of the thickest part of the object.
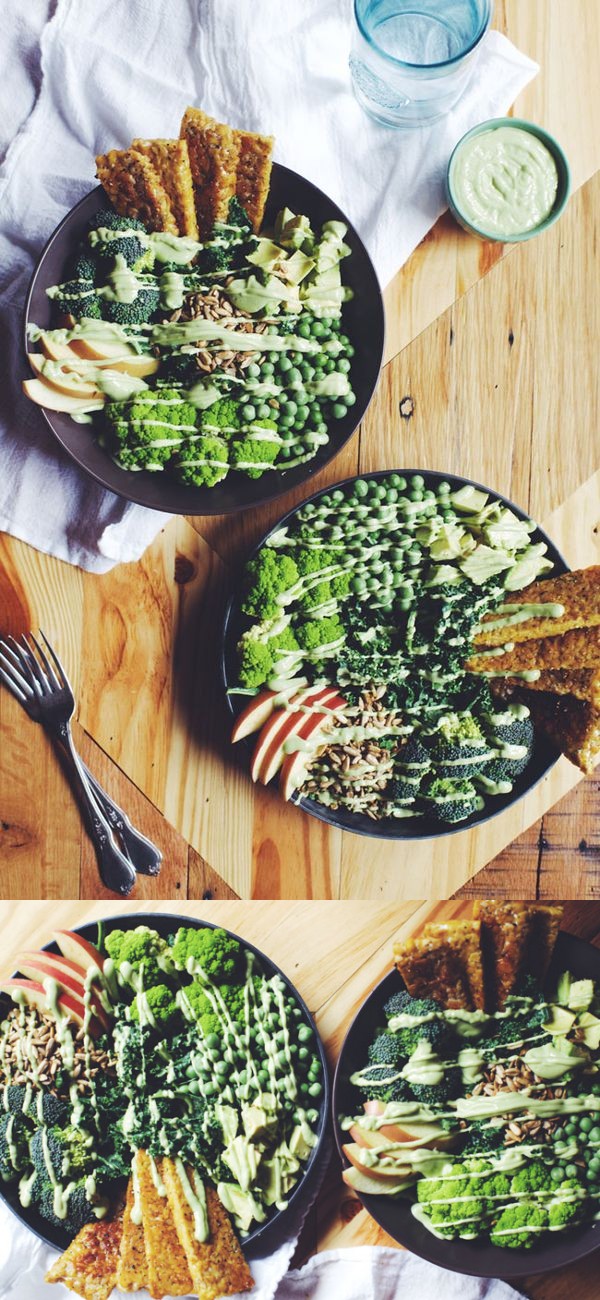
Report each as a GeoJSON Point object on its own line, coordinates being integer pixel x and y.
{"type": "Point", "coordinates": [411, 59]}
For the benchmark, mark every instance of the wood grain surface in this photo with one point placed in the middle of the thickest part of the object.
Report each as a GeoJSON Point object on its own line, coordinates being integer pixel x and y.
{"type": "Point", "coordinates": [492, 373]}
{"type": "Point", "coordinates": [335, 953]}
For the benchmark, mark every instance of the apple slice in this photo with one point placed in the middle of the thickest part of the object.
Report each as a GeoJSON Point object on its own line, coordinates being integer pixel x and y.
{"type": "Point", "coordinates": [275, 723]}
{"type": "Point", "coordinates": [294, 765]}
{"type": "Point", "coordinates": [44, 395]}
{"type": "Point", "coordinates": [68, 975]}
{"type": "Point", "coordinates": [395, 1172]}
{"type": "Point", "coordinates": [78, 949]}
{"type": "Point", "coordinates": [300, 724]}
{"type": "Point", "coordinates": [104, 349]}
{"type": "Point", "coordinates": [254, 716]}
{"type": "Point", "coordinates": [35, 995]}
{"type": "Point", "coordinates": [55, 349]}
{"type": "Point", "coordinates": [70, 381]}
{"type": "Point", "coordinates": [368, 1137]}
{"type": "Point", "coordinates": [365, 1185]}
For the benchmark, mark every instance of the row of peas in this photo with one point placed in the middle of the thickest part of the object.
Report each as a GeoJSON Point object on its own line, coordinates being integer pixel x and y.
{"type": "Point", "coordinates": [585, 1131]}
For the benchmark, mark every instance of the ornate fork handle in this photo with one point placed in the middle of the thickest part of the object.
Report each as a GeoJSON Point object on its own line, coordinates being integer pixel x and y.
{"type": "Point", "coordinates": [116, 870]}
{"type": "Point", "coordinates": [143, 853]}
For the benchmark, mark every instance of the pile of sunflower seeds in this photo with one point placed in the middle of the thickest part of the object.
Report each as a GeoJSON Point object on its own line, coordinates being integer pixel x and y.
{"type": "Point", "coordinates": [214, 305]}
{"type": "Point", "coordinates": [355, 775]}
{"type": "Point", "coordinates": [32, 1054]}
{"type": "Point", "coordinates": [515, 1076]}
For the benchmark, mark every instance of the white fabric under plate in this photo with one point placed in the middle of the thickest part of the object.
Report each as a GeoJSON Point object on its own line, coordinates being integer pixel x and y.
{"type": "Point", "coordinates": [280, 68]}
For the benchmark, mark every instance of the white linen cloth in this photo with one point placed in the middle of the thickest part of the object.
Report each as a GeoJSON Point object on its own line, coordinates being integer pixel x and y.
{"type": "Point", "coordinates": [104, 74]}
{"type": "Point", "coordinates": [360, 1273]}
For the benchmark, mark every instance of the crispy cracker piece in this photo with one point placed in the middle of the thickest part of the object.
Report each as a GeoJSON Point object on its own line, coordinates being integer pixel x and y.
{"type": "Point", "coordinates": [217, 1266]}
{"type": "Point", "coordinates": [517, 939]}
{"type": "Point", "coordinates": [132, 1269]}
{"type": "Point", "coordinates": [577, 592]}
{"type": "Point", "coordinates": [168, 1273]}
{"type": "Point", "coordinates": [135, 189]}
{"type": "Point", "coordinates": [444, 963]}
{"type": "Point", "coordinates": [583, 683]}
{"type": "Point", "coordinates": [213, 152]}
{"type": "Point", "coordinates": [573, 726]}
{"type": "Point", "coordinates": [171, 163]}
{"type": "Point", "coordinates": [89, 1264]}
{"type": "Point", "coordinates": [579, 648]}
{"type": "Point", "coordinates": [254, 173]}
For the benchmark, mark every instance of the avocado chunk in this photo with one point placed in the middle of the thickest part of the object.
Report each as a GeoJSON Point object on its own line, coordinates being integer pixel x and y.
{"type": "Point", "coordinates": [243, 1206]}
{"type": "Point", "coordinates": [560, 1021]}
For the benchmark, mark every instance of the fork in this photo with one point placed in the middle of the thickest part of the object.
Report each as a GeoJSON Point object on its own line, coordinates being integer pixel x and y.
{"type": "Point", "coordinates": [48, 698]}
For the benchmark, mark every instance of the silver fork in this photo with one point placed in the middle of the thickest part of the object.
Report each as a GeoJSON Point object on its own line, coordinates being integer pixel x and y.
{"type": "Point", "coordinates": [47, 697]}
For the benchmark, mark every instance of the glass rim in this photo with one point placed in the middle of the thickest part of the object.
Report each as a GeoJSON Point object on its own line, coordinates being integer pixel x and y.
{"type": "Point", "coordinates": [420, 67]}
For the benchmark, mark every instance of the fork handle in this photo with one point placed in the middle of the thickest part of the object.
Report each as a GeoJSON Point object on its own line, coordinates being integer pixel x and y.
{"type": "Point", "coordinates": [116, 870]}
{"type": "Point", "coordinates": [145, 856]}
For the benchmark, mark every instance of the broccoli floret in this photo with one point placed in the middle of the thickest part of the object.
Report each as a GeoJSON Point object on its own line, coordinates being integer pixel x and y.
{"type": "Point", "coordinates": [68, 1150]}
{"type": "Point", "coordinates": [159, 1005]}
{"type": "Point", "coordinates": [14, 1146]}
{"type": "Point", "coordinates": [141, 948]}
{"type": "Point", "coordinates": [145, 431]}
{"type": "Point", "coordinates": [77, 298]}
{"type": "Point", "coordinates": [451, 801]}
{"type": "Point", "coordinates": [519, 1226]}
{"type": "Point", "coordinates": [381, 1082]}
{"type": "Point", "coordinates": [111, 242]}
{"type": "Point", "coordinates": [85, 267]}
{"type": "Point", "coordinates": [202, 462]}
{"type": "Point", "coordinates": [458, 747]}
{"type": "Point", "coordinates": [438, 1094]}
{"type": "Point", "coordinates": [222, 418]}
{"type": "Point", "coordinates": [321, 637]}
{"type": "Point", "coordinates": [403, 1004]}
{"type": "Point", "coordinates": [517, 1025]}
{"type": "Point", "coordinates": [510, 762]}
{"type": "Point", "coordinates": [225, 247]}
{"type": "Point", "coordinates": [387, 1050]}
{"type": "Point", "coordinates": [509, 728]}
{"type": "Point", "coordinates": [255, 453]}
{"type": "Point", "coordinates": [79, 1210]}
{"type": "Point", "coordinates": [216, 952]}
{"type": "Point", "coordinates": [414, 762]}
{"type": "Point", "coordinates": [144, 306]}
{"type": "Point", "coordinates": [108, 219]}
{"type": "Point", "coordinates": [12, 1098]}
{"type": "Point", "coordinates": [270, 577]}
{"type": "Point", "coordinates": [45, 1108]}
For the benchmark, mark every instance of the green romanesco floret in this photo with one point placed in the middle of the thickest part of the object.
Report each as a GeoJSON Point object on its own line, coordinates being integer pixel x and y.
{"type": "Point", "coordinates": [317, 560]}
{"type": "Point", "coordinates": [202, 462]}
{"type": "Point", "coordinates": [144, 950]}
{"type": "Point", "coordinates": [450, 1205]}
{"type": "Point", "coordinates": [69, 1151]}
{"type": "Point", "coordinates": [519, 1226]}
{"type": "Point", "coordinates": [217, 953]}
{"type": "Point", "coordinates": [535, 1177]}
{"type": "Point", "coordinates": [563, 1212]}
{"type": "Point", "coordinates": [146, 430]}
{"type": "Point", "coordinates": [159, 1006]}
{"type": "Point", "coordinates": [256, 451]}
{"type": "Point", "coordinates": [256, 662]}
{"type": "Point", "coordinates": [222, 418]}
{"type": "Point", "coordinates": [270, 576]}
{"type": "Point", "coordinates": [321, 637]}
{"type": "Point", "coordinates": [458, 727]}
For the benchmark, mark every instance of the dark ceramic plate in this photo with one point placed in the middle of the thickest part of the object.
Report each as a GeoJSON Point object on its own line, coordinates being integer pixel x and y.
{"type": "Point", "coordinates": [363, 319]}
{"type": "Point", "coordinates": [165, 923]}
{"type": "Point", "coordinates": [544, 756]}
{"type": "Point", "coordinates": [478, 1258]}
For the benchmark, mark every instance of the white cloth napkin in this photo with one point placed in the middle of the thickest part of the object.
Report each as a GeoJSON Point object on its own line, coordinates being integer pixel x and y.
{"type": "Point", "coordinates": [130, 68]}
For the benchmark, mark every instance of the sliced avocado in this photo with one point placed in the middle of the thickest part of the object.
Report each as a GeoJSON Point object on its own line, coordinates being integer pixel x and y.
{"type": "Point", "coordinates": [257, 1121]}
{"type": "Point", "coordinates": [447, 545]}
{"type": "Point", "coordinates": [250, 295]}
{"type": "Point", "coordinates": [560, 1021]}
{"type": "Point", "coordinates": [469, 499]}
{"type": "Point", "coordinates": [243, 1158]}
{"type": "Point", "coordinates": [228, 1119]}
{"type": "Point", "coordinates": [581, 995]}
{"type": "Point", "coordinates": [485, 562]}
{"type": "Point", "coordinates": [591, 1029]}
{"type": "Point", "coordinates": [244, 1207]}
{"type": "Point", "coordinates": [563, 988]}
{"type": "Point", "coordinates": [297, 267]}
{"type": "Point", "coordinates": [444, 574]}
{"type": "Point", "coordinates": [266, 255]}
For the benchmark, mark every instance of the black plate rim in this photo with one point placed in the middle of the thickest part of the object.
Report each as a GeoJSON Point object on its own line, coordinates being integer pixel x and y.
{"type": "Point", "coordinates": [503, 1264]}
{"type": "Point", "coordinates": [319, 812]}
{"type": "Point", "coordinates": [127, 921]}
{"type": "Point", "coordinates": [130, 490]}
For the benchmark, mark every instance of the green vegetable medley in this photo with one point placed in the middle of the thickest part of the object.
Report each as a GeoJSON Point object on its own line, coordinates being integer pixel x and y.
{"type": "Point", "coordinates": [207, 1060]}
{"type": "Point", "coordinates": [251, 364]}
{"type": "Point", "coordinates": [508, 1104]}
{"type": "Point", "coordinates": [378, 587]}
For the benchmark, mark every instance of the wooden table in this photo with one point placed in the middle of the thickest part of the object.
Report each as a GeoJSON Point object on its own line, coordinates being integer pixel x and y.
{"type": "Point", "coordinates": [491, 372]}
{"type": "Point", "coordinates": [335, 953]}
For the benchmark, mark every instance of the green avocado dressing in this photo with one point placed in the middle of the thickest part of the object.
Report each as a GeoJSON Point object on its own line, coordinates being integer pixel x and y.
{"type": "Point", "coordinates": [504, 181]}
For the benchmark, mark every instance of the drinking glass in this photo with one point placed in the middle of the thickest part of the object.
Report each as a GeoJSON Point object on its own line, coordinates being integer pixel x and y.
{"type": "Point", "coordinates": [411, 59]}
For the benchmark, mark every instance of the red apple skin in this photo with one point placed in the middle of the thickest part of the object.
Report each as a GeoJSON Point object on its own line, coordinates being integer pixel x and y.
{"type": "Point", "coordinates": [294, 765]}
{"type": "Point", "coordinates": [277, 724]}
{"type": "Point", "coordinates": [35, 995]}
{"type": "Point", "coordinates": [77, 949]}
{"type": "Point", "coordinates": [368, 1137]}
{"type": "Point", "coordinates": [374, 1107]}
{"type": "Point", "coordinates": [254, 716]}
{"type": "Point", "coordinates": [396, 1175]}
{"type": "Point", "coordinates": [301, 725]}
{"type": "Point", "coordinates": [49, 965]}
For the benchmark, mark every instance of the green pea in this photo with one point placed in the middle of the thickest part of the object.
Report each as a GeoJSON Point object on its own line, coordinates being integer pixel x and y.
{"type": "Point", "coordinates": [361, 488]}
{"type": "Point", "coordinates": [404, 605]}
{"type": "Point", "coordinates": [289, 408]}
{"type": "Point", "coordinates": [594, 1134]}
{"type": "Point", "coordinates": [210, 1089]}
{"type": "Point", "coordinates": [266, 368]}
{"type": "Point", "coordinates": [343, 365]}
{"type": "Point", "coordinates": [443, 488]}
{"type": "Point", "coordinates": [212, 1041]}
{"type": "Point", "coordinates": [304, 329]}
{"type": "Point", "coordinates": [304, 1033]}
{"type": "Point", "coordinates": [415, 494]}
{"type": "Point", "coordinates": [572, 1171]}
{"type": "Point", "coordinates": [557, 1175]}
{"type": "Point", "coordinates": [586, 1124]}
{"type": "Point", "coordinates": [417, 481]}
{"type": "Point", "coordinates": [315, 1090]}
{"type": "Point", "coordinates": [317, 329]}
{"type": "Point", "coordinates": [284, 364]}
